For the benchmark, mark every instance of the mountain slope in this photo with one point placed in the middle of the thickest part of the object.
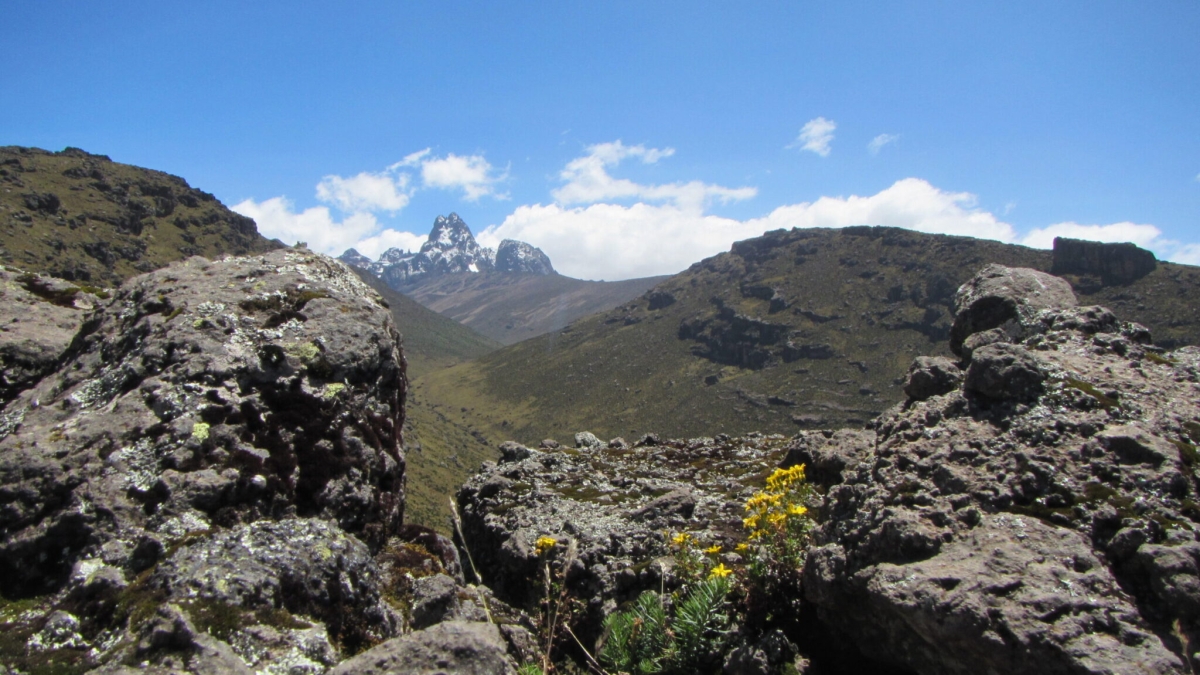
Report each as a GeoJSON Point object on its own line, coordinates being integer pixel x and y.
{"type": "Point", "coordinates": [431, 341]}
{"type": "Point", "coordinates": [807, 328]}
{"type": "Point", "coordinates": [440, 450]}
{"type": "Point", "coordinates": [512, 306]}
{"type": "Point", "coordinates": [83, 217]}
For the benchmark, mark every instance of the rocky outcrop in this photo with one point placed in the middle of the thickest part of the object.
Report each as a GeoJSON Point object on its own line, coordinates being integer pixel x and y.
{"type": "Point", "coordinates": [221, 436]}
{"type": "Point", "coordinates": [1113, 263]}
{"type": "Point", "coordinates": [517, 256]}
{"type": "Point", "coordinates": [1030, 508]}
{"type": "Point", "coordinates": [614, 501]}
{"type": "Point", "coordinates": [39, 316]}
{"type": "Point", "coordinates": [1011, 521]}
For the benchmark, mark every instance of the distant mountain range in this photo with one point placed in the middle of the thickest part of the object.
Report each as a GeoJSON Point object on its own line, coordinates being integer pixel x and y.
{"type": "Point", "coordinates": [450, 249]}
{"type": "Point", "coordinates": [509, 294]}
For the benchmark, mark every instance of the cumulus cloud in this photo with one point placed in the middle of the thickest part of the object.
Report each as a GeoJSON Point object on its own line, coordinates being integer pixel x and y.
{"type": "Point", "coordinates": [278, 219]}
{"type": "Point", "coordinates": [910, 203]}
{"type": "Point", "coordinates": [881, 140]}
{"type": "Point", "coordinates": [1142, 235]}
{"type": "Point", "coordinates": [365, 192]}
{"type": "Point", "coordinates": [316, 226]}
{"type": "Point", "coordinates": [815, 136]}
{"type": "Point", "coordinates": [473, 174]}
{"type": "Point", "coordinates": [587, 180]}
{"type": "Point", "coordinates": [372, 247]}
{"type": "Point", "coordinates": [615, 241]}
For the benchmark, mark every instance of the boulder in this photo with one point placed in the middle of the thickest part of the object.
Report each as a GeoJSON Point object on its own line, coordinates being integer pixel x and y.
{"type": "Point", "coordinates": [204, 395]}
{"type": "Point", "coordinates": [1008, 298]}
{"type": "Point", "coordinates": [932, 376]}
{"type": "Point", "coordinates": [308, 567]}
{"type": "Point", "coordinates": [1005, 372]}
{"type": "Point", "coordinates": [451, 648]}
{"type": "Point", "coordinates": [39, 316]}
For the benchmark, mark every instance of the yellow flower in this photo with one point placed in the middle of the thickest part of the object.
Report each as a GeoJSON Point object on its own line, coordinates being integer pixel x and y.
{"type": "Point", "coordinates": [712, 550]}
{"type": "Point", "coordinates": [719, 572]}
{"type": "Point", "coordinates": [776, 519]}
{"type": "Point", "coordinates": [751, 522]}
{"type": "Point", "coordinates": [742, 547]}
{"type": "Point", "coordinates": [796, 510]}
{"type": "Point", "coordinates": [544, 544]}
{"type": "Point", "coordinates": [681, 539]}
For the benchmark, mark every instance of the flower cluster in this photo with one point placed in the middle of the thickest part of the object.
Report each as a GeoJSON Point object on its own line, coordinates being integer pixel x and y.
{"type": "Point", "coordinates": [777, 523]}
{"type": "Point", "coordinates": [544, 544]}
{"type": "Point", "coordinates": [770, 510]}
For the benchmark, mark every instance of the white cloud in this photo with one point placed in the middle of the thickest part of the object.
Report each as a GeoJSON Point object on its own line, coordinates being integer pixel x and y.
{"type": "Point", "coordinates": [1142, 235]}
{"type": "Point", "coordinates": [1187, 254]}
{"type": "Point", "coordinates": [277, 220]}
{"type": "Point", "coordinates": [910, 203]}
{"type": "Point", "coordinates": [816, 135]}
{"type": "Point", "coordinates": [587, 180]}
{"type": "Point", "coordinates": [365, 192]}
{"type": "Point", "coordinates": [879, 141]}
{"type": "Point", "coordinates": [472, 173]}
{"type": "Point", "coordinates": [372, 247]}
{"type": "Point", "coordinates": [611, 241]}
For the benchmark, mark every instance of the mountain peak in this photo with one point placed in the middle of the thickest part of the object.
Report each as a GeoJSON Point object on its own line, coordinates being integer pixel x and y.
{"type": "Point", "coordinates": [449, 249]}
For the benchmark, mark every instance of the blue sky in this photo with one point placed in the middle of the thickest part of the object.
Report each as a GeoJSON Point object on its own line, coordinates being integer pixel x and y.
{"type": "Point", "coordinates": [634, 138]}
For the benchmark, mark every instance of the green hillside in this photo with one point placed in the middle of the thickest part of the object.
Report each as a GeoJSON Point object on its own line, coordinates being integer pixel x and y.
{"type": "Point", "coordinates": [800, 329]}
{"type": "Point", "coordinates": [83, 217]}
{"type": "Point", "coordinates": [513, 306]}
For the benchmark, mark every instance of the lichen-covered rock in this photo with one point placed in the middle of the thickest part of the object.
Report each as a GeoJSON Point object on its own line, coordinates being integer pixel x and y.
{"type": "Point", "coordinates": [451, 648]}
{"type": "Point", "coordinates": [1007, 298]}
{"type": "Point", "coordinates": [307, 567]}
{"type": "Point", "coordinates": [204, 395]}
{"type": "Point", "coordinates": [610, 508]}
{"type": "Point", "coordinates": [39, 316]}
{"type": "Point", "coordinates": [1039, 519]}
{"type": "Point", "coordinates": [932, 376]}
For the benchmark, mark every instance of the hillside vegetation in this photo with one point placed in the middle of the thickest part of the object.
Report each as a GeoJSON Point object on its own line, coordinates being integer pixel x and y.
{"type": "Point", "coordinates": [796, 329]}
{"type": "Point", "coordinates": [439, 450]}
{"type": "Point", "coordinates": [509, 307]}
{"type": "Point", "coordinates": [86, 218]}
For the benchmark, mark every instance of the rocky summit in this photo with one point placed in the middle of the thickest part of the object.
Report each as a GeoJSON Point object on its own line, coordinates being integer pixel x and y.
{"type": "Point", "coordinates": [450, 249]}
{"type": "Point", "coordinates": [1030, 507]}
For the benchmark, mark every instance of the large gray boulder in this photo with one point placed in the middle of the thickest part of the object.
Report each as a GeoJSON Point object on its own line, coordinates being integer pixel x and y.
{"type": "Point", "coordinates": [450, 648]}
{"type": "Point", "coordinates": [204, 395]}
{"type": "Point", "coordinates": [1039, 518]}
{"type": "Point", "coordinates": [306, 567]}
{"type": "Point", "coordinates": [39, 316]}
{"type": "Point", "coordinates": [1007, 299]}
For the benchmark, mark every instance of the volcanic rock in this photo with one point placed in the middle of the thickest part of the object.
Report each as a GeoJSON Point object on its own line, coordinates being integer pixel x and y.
{"type": "Point", "coordinates": [459, 647]}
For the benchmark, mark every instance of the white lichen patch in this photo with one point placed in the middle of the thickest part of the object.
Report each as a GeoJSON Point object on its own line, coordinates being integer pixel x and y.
{"type": "Point", "coordinates": [140, 461]}
{"type": "Point", "coordinates": [10, 420]}
{"type": "Point", "coordinates": [180, 526]}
